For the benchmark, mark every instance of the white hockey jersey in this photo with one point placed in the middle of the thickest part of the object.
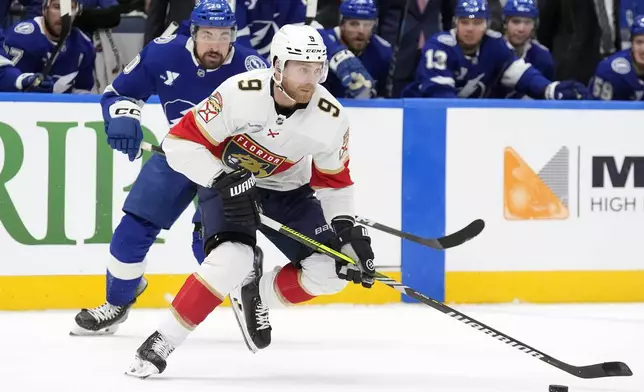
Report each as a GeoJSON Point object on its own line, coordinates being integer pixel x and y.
{"type": "Point", "coordinates": [238, 126]}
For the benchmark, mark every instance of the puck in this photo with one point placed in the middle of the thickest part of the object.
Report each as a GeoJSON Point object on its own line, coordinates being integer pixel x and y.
{"type": "Point", "coordinates": [557, 388]}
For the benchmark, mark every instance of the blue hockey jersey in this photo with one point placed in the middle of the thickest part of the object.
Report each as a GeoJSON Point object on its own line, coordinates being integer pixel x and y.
{"type": "Point", "coordinates": [168, 67]}
{"type": "Point", "coordinates": [259, 20]}
{"type": "Point", "coordinates": [376, 58]}
{"type": "Point", "coordinates": [29, 48]}
{"type": "Point", "coordinates": [8, 73]}
{"type": "Point", "coordinates": [445, 71]}
{"type": "Point", "coordinates": [540, 58]}
{"type": "Point", "coordinates": [616, 79]}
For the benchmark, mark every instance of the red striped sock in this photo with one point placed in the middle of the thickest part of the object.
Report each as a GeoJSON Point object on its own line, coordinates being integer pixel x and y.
{"type": "Point", "coordinates": [289, 285]}
{"type": "Point", "coordinates": [195, 301]}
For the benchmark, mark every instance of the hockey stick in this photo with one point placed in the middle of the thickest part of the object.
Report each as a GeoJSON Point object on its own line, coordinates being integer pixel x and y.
{"type": "Point", "coordinates": [65, 29]}
{"type": "Point", "coordinates": [449, 241]}
{"type": "Point", "coordinates": [606, 369]}
{"type": "Point", "coordinates": [311, 11]}
{"type": "Point", "coordinates": [389, 84]}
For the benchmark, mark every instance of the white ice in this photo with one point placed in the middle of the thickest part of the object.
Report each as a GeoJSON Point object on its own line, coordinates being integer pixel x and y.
{"type": "Point", "coordinates": [335, 348]}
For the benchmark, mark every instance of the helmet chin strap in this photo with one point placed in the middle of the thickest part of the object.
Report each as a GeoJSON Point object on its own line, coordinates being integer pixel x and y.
{"type": "Point", "coordinates": [279, 86]}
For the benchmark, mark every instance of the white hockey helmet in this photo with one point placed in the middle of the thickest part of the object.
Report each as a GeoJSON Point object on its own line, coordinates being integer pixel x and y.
{"type": "Point", "coordinates": [300, 43]}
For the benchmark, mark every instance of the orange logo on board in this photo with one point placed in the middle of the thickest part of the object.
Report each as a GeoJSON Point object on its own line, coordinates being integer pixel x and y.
{"type": "Point", "coordinates": [531, 195]}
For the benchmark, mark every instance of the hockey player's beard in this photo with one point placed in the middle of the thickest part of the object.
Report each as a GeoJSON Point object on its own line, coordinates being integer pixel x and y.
{"type": "Point", "coordinates": [53, 29]}
{"type": "Point", "coordinates": [211, 59]}
{"type": "Point", "coordinates": [301, 94]}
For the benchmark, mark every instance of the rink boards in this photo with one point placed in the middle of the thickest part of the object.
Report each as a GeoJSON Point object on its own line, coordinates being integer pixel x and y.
{"type": "Point", "coordinates": [559, 185]}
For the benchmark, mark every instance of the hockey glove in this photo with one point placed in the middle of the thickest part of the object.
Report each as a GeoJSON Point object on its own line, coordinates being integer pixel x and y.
{"type": "Point", "coordinates": [240, 198]}
{"type": "Point", "coordinates": [354, 242]}
{"type": "Point", "coordinates": [35, 83]}
{"type": "Point", "coordinates": [353, 75]}
{"type": "Point", "coordinates": [567, 90]}
{"type": "Point", "coordinates": [124, 128]}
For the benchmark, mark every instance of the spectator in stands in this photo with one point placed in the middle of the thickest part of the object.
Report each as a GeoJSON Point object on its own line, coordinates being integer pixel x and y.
{"type": "Point", "coordinates": [579, 33]}
{"type": "Point", "coordinates": [358, 59]}
{"type": "Point", "coordinates": [163, 12]}
{"type": "Point", "coordinates": [423, 19]}
{"type": "Point", "coordinates": [619, 77]}
{"type": "Point", "coordinates": [13, 80]}
{"type": "Point", "coordinates": [30, 43]}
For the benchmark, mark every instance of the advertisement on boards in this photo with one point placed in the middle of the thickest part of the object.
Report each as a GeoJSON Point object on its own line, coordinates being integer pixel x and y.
{"type": "Point", "coordinates": [62, 189]}
{"type": "Point", "coordinates": [560, 190]}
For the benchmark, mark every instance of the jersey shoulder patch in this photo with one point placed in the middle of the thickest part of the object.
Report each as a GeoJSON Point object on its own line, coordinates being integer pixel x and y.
{"type": "Point", "coordinates": [25, 28]}
{"type": "Point", "coordinates": [446, 39]}
{"type": "Point", "coordinates": [254, 62]}
{"type": "Point", "coordinates": [620, 65]}
{"type": "Point", "coordinates": [164, 40]}
{"type": "Point", "coordinates": [493, 34]}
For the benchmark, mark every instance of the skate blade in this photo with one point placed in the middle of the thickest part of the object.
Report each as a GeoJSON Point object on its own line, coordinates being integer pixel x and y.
{"type": "Point", "coordinates": [141, 369]}
{"type": "Point", "coordinates": [79, 331]}
{"type": "Point", "coordinates": [235, 304]}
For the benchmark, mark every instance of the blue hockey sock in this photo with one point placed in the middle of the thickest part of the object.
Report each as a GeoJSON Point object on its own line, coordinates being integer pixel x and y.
{"type": "Point", "coordinates": [130, 243]}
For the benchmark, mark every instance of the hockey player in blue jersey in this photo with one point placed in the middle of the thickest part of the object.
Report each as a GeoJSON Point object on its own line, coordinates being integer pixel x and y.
{"type": "Point", "coordinates": [521, 17]}
{"type": "Point", "coordinates": [14, 80]}
{"type": "Point", "coordinates": [259, 20]}
{"type": "Point", "coordinates": [620, 77]}
{"type": "Point", "coordinates": [358, 58]}
{"type": "Point", "coordinates": [469, 60]}
{"type": "Point", "coordinates": [182, 71]}
{"type": "Point", "coordinates": [30, 43]}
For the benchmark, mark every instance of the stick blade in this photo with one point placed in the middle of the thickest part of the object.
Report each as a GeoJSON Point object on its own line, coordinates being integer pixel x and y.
{"type": "Point", "coordinates": [606, 369]}
{"type": "Point", "coordinates": [465, 234]}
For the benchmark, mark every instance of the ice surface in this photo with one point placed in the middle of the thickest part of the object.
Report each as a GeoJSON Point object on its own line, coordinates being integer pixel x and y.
{"type": "Point", "coordinates": [334, 348]}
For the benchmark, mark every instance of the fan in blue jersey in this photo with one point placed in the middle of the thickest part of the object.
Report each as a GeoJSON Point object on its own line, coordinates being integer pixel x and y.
{"type": "Point", "coordinates": [13, 80]}
{"type": "Point", "coordinates": [521, 16]}
{"type": "Point", "coordinates": [620, 77]}
{"type": "Point", "coordinates": [259, 20]}
{"type": "Point", "coordinates": [30, 43]}
{"type": "Point", "coordinates": [469, 60]}
{"type": "Point", "coordinates": [182, 71]}
{"type": "Point", "coordinates": [358, 59]}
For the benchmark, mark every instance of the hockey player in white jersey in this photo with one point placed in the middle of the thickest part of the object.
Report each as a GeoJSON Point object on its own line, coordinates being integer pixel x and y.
{"type": "Point", "coordinates": [249, 147]}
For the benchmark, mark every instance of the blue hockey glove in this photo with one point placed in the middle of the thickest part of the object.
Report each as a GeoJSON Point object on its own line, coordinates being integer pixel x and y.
{"type": "Point", "coordinates": [352, 74]}
{"type": "Point", "coordinates": [567, 90]}
{"type": "Point", "coordinates": [35, 83]}
{"type": "Point", "coordinates": [124, 129]}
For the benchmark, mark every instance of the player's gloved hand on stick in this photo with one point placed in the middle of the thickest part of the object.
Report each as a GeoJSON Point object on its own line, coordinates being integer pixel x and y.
{"type": "Point", "coordinates": [353, 75]}
{"type": "Point", "coordinates": [35, 83]}
{"type": "Point", "coordinates": [354, 241]}
{"type": "Point", "coordinates": [567, 90]}
{"type": "Point", "coordinates": [240, 198]}
{"type": "Point", "coordinates": [124, 129]}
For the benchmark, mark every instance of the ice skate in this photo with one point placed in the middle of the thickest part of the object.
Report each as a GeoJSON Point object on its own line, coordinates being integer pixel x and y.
{"type": "Point", "coordinates": [250, 312]}
{"type": "Point", "coordinates": [151, 357]}
{"type": "Point", "coordinates": [105, 319]}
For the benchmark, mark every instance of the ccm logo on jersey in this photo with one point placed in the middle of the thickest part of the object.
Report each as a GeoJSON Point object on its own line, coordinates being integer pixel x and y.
{"type": "Point", "coordinates": [243, 187]}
